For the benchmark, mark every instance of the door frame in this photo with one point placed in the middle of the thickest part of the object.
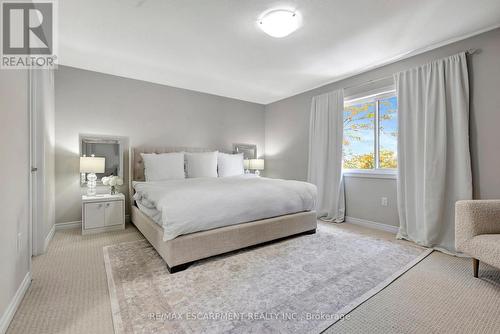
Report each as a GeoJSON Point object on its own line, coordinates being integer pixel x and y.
{"type": "Point", "coordinates": [36, 244]}
{"type": "Point", "coordinates": [32, 178]}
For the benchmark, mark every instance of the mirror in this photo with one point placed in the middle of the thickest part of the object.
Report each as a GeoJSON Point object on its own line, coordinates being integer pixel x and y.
{"type": "Point", "coordinates": [249, 151]}
{"type": "Point", "coordinates": [106, 147]}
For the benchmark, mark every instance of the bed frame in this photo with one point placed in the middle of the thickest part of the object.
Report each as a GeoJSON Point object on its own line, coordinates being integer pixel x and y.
{"type": "Point", "coordinates": [181, 252]}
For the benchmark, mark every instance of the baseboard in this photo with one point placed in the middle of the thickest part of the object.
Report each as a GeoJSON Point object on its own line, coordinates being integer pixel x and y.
{"type": "Point", "coordinates": [372, 224]}
{"type": "Point", "coordinates": [14, 303]}
{"type": "Point", "coordinates": [78, 224]}
{"type": "Point", "coordinates": [64, 226]}
{"type": "Point", "coordinates": [49, 238]}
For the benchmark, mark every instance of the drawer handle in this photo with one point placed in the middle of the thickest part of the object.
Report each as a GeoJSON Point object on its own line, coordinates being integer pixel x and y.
{"type": "Point", "coordinates": [107, 204]}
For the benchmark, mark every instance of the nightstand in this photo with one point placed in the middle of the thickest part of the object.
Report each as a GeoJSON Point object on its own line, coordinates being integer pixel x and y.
{"type": "Point", "coordinates": [102, 213]}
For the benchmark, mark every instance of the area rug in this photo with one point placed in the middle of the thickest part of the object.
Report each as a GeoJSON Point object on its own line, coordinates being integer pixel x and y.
{"type": "Point", "coordinates": [298, 285]}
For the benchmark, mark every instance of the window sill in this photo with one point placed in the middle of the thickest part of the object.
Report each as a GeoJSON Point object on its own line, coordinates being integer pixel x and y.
{"type": "Point", "coordinates": [372, 173]}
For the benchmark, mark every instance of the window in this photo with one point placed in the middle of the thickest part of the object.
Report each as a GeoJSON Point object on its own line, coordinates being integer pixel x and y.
{"type": "Point", "coordinates": [370, 133]}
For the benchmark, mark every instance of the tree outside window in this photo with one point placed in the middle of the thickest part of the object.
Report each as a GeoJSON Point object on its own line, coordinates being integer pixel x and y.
{"type": "Point", "coordinates": [370, 133]}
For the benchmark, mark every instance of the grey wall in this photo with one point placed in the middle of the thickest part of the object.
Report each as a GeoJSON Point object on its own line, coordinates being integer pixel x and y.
{"type": "Point", "coordinates": [145, 113]}
{"type": "Point", "coordinates": [287, 123]}
{"type": "Point", "coordinates": [363, 197]}
{"type": "Point", "coordinates": [14, 176]}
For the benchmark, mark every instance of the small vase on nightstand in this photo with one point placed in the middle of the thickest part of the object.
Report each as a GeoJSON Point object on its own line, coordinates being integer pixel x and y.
{"type": "Point", "coordinates": [113, 182]}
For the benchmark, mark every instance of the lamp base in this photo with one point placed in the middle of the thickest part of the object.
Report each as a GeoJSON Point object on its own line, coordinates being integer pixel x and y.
{"type": "Point", "coordinates": [257, 172]}
{"type": "Point", "coordinates": [91, 184]}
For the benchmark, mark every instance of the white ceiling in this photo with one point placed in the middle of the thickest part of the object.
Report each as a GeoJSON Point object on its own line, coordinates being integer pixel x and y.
{"type": "Point", "coordinates": [214, 46]}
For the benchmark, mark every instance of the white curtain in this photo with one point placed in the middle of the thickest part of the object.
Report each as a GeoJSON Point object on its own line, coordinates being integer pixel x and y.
{"type": "Point", "coordinates": [325, 154]}
{"type": "Point", "coordinates": [434, 167]}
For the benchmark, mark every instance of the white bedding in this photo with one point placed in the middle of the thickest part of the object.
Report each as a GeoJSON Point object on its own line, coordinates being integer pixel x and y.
{"type": "Point", "coordinates": [152, 213]}
{"type": "Point", "coordinates": [199, 204]}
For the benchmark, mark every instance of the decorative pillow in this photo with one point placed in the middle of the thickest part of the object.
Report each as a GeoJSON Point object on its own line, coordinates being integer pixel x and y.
{"type": "Point", "coordinates": [164, 166]}
{"type": "Point", "coordinates": [201, 164]}
{"type": "Point", "coordinates": [230, 164]}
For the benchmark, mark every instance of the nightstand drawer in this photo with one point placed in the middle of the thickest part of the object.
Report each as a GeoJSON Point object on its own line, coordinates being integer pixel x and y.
{"type": "Point", "coordinates": [113, 213]}
{"type": "Point", "coordinates": [94, 215]}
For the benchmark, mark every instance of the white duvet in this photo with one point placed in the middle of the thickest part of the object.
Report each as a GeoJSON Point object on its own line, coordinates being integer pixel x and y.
{"type": "Point", "coordinates": [199, 204]}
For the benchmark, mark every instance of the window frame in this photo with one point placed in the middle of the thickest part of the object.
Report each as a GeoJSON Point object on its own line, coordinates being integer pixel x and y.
{"type": "Point", "coordinates": [377, 172]}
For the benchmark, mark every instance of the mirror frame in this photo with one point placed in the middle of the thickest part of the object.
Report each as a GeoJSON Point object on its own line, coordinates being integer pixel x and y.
{"type": "Point", "coordinates": [101, 139]}
{"type": "Point", "coordinates": [246, 149]}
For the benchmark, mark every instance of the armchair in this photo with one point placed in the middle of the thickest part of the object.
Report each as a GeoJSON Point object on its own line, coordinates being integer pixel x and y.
{"type": "Point", "coordinates": [477, 231]}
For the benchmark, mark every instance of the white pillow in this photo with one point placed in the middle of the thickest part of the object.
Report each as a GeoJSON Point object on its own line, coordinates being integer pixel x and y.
{"type": "Point", "coordinates": [201, 164]}
{"type": "Point", "coordinates": [164, 166]}
{"type": "Point", "coordinates": [230, 164]}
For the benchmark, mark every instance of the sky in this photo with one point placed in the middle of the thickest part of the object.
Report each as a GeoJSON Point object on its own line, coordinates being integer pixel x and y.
{"type": "Point", "coordinates": [365, 145]}
{"type": "Point", "coordinates": [388, 141]}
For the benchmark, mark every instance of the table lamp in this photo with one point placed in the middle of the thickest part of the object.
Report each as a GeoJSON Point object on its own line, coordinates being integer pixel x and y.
{"type": "Point", "coordinates": [257, 165]}
{"type": "Point", "coordinates": [246, 165]}
{"type": "Point", "coordinates": [91, 165]}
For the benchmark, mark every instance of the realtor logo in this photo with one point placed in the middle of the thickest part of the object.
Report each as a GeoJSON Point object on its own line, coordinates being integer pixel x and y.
{"type": "Point", "coordinates": [28, 34]}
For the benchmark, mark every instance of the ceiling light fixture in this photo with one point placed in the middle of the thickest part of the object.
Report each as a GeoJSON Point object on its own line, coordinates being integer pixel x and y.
{"type": "Point", "coordinates": [280, 22]}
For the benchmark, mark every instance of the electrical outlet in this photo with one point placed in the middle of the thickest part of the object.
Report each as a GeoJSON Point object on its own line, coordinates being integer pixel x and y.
{"type": "Point", "coordinates": [383, 201]}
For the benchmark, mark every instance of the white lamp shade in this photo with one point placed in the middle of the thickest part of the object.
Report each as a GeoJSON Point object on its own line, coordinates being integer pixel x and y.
{"type": "Point", "coordinates": [246, 164]}
{"type": "Point", "coordinates": [92, 165]}
{"type": "Point", "coordinates": [257, 164]}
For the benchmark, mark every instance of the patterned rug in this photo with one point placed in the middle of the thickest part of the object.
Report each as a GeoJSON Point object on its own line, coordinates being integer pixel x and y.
{"type": "Point", "coordinates": [299, 285]}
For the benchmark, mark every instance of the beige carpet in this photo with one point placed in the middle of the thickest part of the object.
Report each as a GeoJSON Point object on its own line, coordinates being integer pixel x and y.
{"type": "Point", "coordinates": [439, 295]}
{"type": "Point", "coordinates": [69, 292]}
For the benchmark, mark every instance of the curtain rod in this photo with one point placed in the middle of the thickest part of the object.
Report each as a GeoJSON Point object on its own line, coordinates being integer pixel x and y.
{"type": "Point", "coordinates": [467, 52]}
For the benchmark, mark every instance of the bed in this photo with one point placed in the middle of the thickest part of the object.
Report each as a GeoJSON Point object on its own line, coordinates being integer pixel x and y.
{"type": "Point", "coordinates": [192, 219]}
